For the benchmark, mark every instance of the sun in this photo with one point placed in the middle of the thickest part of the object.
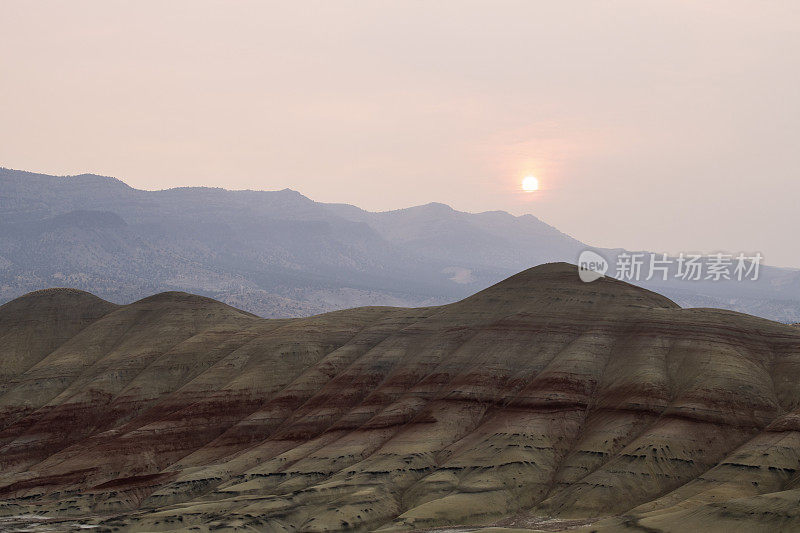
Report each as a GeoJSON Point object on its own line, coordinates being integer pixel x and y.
{"type": "Point", "coordinates": [530, 184]}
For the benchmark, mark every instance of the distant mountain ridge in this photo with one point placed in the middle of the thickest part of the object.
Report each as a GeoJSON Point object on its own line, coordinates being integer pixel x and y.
{"type": "Point", "coordinates": [281, 254]}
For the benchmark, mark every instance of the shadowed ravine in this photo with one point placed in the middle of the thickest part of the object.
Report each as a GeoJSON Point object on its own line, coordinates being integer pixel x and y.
{"type": "Point", "coordinates": [539, 402]}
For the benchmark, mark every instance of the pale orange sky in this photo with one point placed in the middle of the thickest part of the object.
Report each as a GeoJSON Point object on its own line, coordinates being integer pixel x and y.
{"type": "Point", "coordinates": [651, 125]}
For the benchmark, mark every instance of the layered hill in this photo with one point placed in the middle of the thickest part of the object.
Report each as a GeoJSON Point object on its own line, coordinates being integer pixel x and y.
{"type": "Point", "coordinates": [541, 402]}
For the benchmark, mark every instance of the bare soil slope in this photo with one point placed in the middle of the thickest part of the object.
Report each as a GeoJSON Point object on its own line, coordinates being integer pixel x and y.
{"type": "Point", "coordinates": [541, 400]}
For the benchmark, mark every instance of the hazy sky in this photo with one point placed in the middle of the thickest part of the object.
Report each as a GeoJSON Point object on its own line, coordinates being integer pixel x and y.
{"type": "Point", "coordinates": [668, 126]}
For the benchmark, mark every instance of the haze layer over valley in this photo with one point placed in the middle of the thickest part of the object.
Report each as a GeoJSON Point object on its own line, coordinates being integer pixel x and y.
{"type": "Point", "coordinates": [280, 254]}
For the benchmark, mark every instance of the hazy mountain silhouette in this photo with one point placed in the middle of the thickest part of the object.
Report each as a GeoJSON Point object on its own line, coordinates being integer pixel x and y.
{"type": "Point", "coordinates": [278, 253]}
{"type": "Point", "coordinates": [539, 397]}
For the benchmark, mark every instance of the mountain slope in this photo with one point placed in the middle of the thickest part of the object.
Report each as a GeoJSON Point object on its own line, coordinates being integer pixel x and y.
{"type": "Point", "coordinates": [489, 241]}
{"type": "Point", "coordinates": [36, 324]}
{"type": "Point", "coordinates": [539, 397]}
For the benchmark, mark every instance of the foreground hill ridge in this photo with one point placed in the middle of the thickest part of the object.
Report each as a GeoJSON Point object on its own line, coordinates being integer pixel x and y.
{"type": "Point", "coordinates": [601, 404]}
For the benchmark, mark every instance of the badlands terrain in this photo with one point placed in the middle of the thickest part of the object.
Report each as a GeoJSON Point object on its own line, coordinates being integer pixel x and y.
{"type": "Point", "coordinates": [540, 403]}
